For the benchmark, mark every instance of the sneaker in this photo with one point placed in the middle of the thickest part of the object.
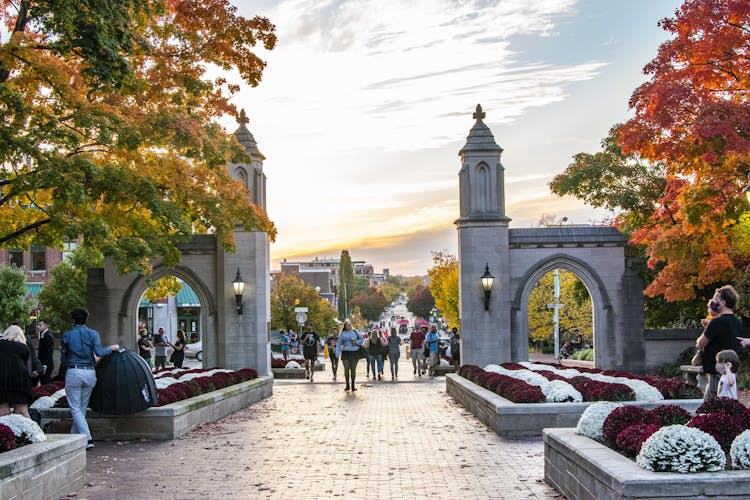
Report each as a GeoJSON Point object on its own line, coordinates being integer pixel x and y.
{"type": "Point", "coordinates": [380, 377]}
{"type": "Point", "coordinates": [354, 388]}
{"type": "Point", "coordinates": [89, 445]}
{"type": "Point", "coordinates": [311, 379]}
{"type": "Point", "coordinates": [334, 378]}
{"type": "Point", "coordinates": [347, 388]}
{"type": "Point", "coordinates": [415, 372]}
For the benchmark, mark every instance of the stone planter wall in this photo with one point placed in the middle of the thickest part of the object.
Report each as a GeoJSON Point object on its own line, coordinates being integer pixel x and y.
{"type": "Point", "coordinates": [47, 470]}
{"type": "Point", "coordinates": [173, 420]}
{"type": "Point", "coordinates": [528, 419]}
{"type": "Point", "coordinates": [583, 469]}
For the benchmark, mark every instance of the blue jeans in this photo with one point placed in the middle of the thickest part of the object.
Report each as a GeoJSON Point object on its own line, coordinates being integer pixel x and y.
{"type": "Point", "coordinates": [79, 384]}
{"type": "Point", "coordinates": [393, 359]}
{"type": "Point", "coordinates": [378, 358]}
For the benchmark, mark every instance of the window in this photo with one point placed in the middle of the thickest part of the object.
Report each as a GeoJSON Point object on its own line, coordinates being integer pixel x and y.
{"type": "Point", "coordinates": [15, 258]}
{"type": "Point", "coordinates": [38, 258]}
{"type": "Point", "coordinates": [68, 248]}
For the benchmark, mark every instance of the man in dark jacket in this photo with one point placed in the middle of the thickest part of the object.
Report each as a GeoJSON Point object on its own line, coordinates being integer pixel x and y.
{"type": "Point", "coordinates": [46, 350]}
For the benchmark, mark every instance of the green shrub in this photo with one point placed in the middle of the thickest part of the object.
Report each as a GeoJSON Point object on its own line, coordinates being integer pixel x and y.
{"type": "Point", "coordinates": [584, 355]}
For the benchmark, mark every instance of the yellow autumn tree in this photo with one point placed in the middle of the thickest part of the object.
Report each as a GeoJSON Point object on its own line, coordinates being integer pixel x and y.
{"type": "Point", "coordinates": [444, 285]}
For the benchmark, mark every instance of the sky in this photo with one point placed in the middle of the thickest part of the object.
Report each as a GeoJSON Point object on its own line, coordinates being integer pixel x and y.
{"type": "Point", "coordinates": [364, 105]}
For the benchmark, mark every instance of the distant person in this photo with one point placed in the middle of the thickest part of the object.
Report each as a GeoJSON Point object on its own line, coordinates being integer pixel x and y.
{"type": "Point", "coordinates": [376, 346]}
{"type": "Point", "coordinates": [722, 332]}
{"type": "Point", "coordinates": [433, 346]}
{"type": "Point", "coordinates": [178, 356]}
{"type": "Point", "coordinates": [286, 345]}
{"type": "Point", "coordinates": [727, 364]}
{"type": "Point", "coordinates": [160, 349]}
{"type": "Point", "coordinates": [455, 348]}
{"type": "Point", "coordinates": [46, 351]}
{"type": "Point", "coordinates": [416, 344]}
{"type": "Point", "coordinates": [15, 372]}
{"type": "Point", "coordinates": [145, 348]}
{"type": "Point", "coordinates": [80, 348]}
{"type": "Point", "coordinates": [331, 343]}
{"type": "Point", "coordinates": [394, 353]}
{"type": "Point", "coordinates": [310, 348]}
{"type": "Point", "coordinates": [348, 344]}
{"type": "Point", "coordinates": [293, 341]}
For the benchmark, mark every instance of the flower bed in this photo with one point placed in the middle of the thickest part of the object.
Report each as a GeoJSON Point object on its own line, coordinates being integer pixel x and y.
{"type": "Point", "coordinates": [561, 384]}
{"type": "Point", "coordinates": [581, 468]}
{"type": "Point", "coordinates": [668, 439]}
{"type": "Point", "coordinates": [186, 400]}
{"type": "Point", "coordinates": [526, 418]}
{"type": "Point", "coordinates": [48, 469]}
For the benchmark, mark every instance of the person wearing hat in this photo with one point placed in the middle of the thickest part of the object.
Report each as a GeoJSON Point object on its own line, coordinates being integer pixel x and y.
{"type": "Point", "coordinates": [80, 348]}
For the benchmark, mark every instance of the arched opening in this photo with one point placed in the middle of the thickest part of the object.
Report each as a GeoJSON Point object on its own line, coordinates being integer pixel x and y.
{"type": "Point", "coordinates": [169, 306]}
{"type": "Point", "coordinates": [598, 297]}
{"type": "Point", "coordinates": [559, 311]}
{"type": "Point", "coordinates": [181, 302]}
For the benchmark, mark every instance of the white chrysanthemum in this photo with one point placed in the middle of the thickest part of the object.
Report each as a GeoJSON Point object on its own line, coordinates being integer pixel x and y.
{"type": "Point", "coordinates": [677, 448]}
{"type": "Point", "coordinates": [42, 403]}
{"type": "Point", "coordinates": [23, 427]}
{"type": "Point", "coordinates": [163, 382]}
{"type": "Point", "coordinates": [293, 364]}
{"type": "Point", "coordinates": [740, 451]}
{"type": "Point", "coordinates": [591, 421]}
{"type": "Point", "coordinates": [559, 391]}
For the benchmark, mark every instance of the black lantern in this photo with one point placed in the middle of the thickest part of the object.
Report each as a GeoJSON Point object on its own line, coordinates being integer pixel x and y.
{"type": "Point", "coordinates": [487, 281]}
{"type": "Point", "coordinates": [239, 287]}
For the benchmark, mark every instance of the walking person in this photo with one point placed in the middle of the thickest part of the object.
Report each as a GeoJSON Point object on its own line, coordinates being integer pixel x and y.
{"type": "Point", "coordinates": [310, 347]}
{"type": "Point", "coordinates": [349, 342]}
{"type": "Point", "coordinates": [456, 348]}
{"type": "Point", "coordinates": [178, 356]}
{"type": "Point", "coordinates": [722, 332]}
{"type": "Point", "coordinates": [394, 353]}
{"type": "Point", "coordinates": [145, 347]}
{"type": "Point", "coordinates": [433, 346]}
{"type": "Point", "coordinates": [46, 351]}
{"type": "Point", "coordinates": [80, 348]}
{"type": "Point", "coordinates": [331, 343]}
{"type": "Point", "coordinates": [15, 372]}
{"type": "Point", "coordinates": [160, 349]}
{"type": "Point", "coordinates": [416, 344]}
{"type": "Point", "coordinates": [376, 347]}
{"type": "Point", "coordinates": [286, 344]}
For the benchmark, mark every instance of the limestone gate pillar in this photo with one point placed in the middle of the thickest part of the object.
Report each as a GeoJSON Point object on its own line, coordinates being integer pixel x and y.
{"type": "Point", "coordinates": [483, 240]}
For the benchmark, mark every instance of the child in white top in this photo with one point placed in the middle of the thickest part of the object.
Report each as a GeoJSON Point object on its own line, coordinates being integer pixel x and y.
{"type": "Point", "coordinates": [727, 363]}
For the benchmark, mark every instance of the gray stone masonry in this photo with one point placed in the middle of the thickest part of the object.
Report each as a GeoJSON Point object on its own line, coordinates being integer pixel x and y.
{"type": "Point", "coordinates": [44, 471]}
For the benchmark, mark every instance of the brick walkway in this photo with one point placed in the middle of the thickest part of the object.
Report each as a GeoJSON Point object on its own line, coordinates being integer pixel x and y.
{"type": "Point", "coordinates": [404, 439]}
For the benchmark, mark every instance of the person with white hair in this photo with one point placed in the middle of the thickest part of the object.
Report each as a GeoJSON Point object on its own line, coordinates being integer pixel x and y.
{"type": "Point", "coordinates": [15, 372]}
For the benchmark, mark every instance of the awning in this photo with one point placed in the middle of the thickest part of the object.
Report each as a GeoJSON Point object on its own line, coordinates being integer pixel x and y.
{"type": "Point", "coordinates": [186, 297]}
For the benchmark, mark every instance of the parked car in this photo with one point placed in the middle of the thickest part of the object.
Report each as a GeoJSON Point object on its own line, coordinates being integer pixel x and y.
{"type": "Point", "coordinates": [194, 350]}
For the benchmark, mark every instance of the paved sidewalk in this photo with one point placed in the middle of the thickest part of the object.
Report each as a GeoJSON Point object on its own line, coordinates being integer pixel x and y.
{"type": "Point", "coordinates": [398, 440]}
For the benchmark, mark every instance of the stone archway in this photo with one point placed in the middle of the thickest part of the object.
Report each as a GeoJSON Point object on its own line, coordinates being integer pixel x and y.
{"type": "Point", "coordinates": [498, 331]}
{"type": "Point", "coordinates": [601, 305]}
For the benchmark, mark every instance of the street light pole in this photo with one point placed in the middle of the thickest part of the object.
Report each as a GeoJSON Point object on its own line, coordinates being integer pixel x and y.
{"type": "Point", "coordinates": [556, 306]}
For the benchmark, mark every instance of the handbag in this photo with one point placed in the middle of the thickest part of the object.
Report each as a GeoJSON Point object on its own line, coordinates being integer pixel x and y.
{"type": "Point", "coordinates": [361, 352]}
{"type": "Point", "coordinates": [172, 357]}
{"type": "Point", "coordinates": [697, 359]}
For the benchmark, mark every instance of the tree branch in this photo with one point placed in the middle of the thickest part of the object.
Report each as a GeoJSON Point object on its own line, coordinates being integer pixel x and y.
{"type": "Point", "coordinates": [23, 230]}
{"type": "Point", "coordinates": [21, 20]}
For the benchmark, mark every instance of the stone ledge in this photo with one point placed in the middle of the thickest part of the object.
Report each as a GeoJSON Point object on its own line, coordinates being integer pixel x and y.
{"type": "Point", "coordinates": [47, 470]}
{"type": "Point", "coordinates": [173, 420]}
{"type": "Point", "coordinates": [507, 418]}
{"type": "Point", "coordinates": [581, 468]}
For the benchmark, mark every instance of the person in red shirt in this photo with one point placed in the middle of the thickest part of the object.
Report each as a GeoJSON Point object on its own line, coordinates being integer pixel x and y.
{"type": "Point", "coordinates": [416, 348]}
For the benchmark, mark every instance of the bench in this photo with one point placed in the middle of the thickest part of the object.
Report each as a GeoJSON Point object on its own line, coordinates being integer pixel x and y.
{"type": "Point", "coordinates": [694, 376]}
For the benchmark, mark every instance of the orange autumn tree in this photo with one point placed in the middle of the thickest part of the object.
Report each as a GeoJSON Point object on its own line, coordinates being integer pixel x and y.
{"type": "Point", "coordinates": [693, 117]}
{"type": "Point", "coordinates": [108, 127]}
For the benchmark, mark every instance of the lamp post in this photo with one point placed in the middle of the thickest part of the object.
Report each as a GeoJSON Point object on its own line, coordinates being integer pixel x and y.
{"type": "Point", "coordinates": [487, 282]}
{"type": "Point", "coordinates": [238, 285]}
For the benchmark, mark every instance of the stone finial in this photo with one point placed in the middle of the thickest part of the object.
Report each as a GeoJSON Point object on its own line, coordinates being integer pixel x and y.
{"type": "Point", "coordinates": [478, 115]}
{"type": "Point", "coordinates": [243, 119]}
